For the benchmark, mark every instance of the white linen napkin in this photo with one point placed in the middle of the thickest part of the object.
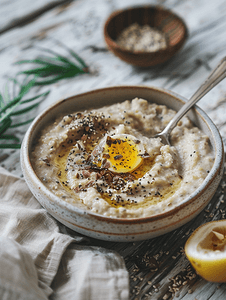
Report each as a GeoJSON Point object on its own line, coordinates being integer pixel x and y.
{"type": "Point", "coordinates": [39, 262]}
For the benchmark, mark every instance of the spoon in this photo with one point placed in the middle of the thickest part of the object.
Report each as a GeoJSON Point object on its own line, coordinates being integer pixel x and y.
{"type": "Point", "coordinates": [214, 78]}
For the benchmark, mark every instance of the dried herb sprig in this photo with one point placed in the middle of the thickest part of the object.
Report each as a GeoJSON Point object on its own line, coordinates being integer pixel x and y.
{"type": "Point", "coordinates": [13, 106]}
{"type": "Point", "coordinates": [51, 69]}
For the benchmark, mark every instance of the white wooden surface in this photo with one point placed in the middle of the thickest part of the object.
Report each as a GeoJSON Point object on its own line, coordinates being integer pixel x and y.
{"type": "Point", "coordinates": [26, 25]}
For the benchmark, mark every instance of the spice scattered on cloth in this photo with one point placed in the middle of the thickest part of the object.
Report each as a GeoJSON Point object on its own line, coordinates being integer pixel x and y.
{"type": "Point", "coordinates": [142, 38]}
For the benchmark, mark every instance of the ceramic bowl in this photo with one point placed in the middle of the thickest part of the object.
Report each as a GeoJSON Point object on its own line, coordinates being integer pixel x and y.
{"type": "Point", "coordinates": [159, 18]}
{"type": "Point", "coordinates": [114, 229]}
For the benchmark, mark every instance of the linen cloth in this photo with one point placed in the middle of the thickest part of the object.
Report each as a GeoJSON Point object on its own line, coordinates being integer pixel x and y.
{"type": "Point", "coordinates": [37, 261]}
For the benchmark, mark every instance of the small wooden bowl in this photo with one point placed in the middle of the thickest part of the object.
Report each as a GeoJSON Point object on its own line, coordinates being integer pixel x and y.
{"type": "Point", "coordinates": [159, 18]}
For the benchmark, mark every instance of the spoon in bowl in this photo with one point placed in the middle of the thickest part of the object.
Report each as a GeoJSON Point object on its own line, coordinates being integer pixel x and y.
{"type": "Point", "coordinates": [214, 78]}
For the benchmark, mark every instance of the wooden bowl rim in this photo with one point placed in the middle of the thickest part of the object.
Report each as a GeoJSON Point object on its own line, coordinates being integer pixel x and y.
{"type": "Point", "coordinates": [111, 42]}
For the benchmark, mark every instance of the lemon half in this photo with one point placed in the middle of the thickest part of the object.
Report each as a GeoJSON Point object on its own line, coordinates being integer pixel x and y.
{"type": "Point", "coordinates": [206, 251]}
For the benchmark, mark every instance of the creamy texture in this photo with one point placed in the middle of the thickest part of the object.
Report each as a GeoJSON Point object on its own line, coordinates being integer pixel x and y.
{"type": "Point", "coordinates": [107, 161]}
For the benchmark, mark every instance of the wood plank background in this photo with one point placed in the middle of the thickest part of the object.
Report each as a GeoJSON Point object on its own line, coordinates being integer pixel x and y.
{"type": "Point", "coordinates": [158, 268]}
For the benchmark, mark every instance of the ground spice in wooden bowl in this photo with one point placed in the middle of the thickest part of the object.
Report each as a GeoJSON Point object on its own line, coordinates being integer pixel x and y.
{"type": "Point", "coordinates": [145, 36]}
{"type": "Point", "coordinates": [142, 38]}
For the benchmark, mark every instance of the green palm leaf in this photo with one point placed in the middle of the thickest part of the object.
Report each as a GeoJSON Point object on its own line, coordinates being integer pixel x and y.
{"type": "Point", "coordinates": [5, 125]}
{"type": "Point", "coordinates": [21, 123]}
{"type": "Point", "coordinates": [9, 110]}
{"type": "Point", "coordinates": [48, 69]}
{"type": "Point", "coordinates": [9, 137]}
{"type": "Point", "coordinates": [36, 97]}
{"type": "Point", "coordinates": [54, 68]}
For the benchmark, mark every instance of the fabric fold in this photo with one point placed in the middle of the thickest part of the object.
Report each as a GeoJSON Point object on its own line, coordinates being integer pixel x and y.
{"type": "Point", "coordinates": [46, 262]}
{"type": "Point", "coordinates": [88, 269]}
{"type": "Point", "coordinates": [18, 278]}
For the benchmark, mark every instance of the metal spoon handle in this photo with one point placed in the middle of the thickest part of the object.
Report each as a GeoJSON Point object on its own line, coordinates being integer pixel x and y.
{"type": "Point", "coordinates": [214, 78]}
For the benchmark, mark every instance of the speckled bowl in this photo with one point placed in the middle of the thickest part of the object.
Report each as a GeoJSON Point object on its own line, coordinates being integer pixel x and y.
{"type": "Point", "coordinates": [113, 229]}
{"type": "Point", "coordinates": [173, 27]}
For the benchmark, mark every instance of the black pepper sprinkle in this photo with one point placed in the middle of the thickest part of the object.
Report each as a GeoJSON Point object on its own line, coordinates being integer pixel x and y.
{"type": "Point", "coordinates": [118, 157]}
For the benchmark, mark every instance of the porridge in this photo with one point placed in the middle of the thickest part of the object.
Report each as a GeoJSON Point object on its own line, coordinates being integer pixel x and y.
{"type": "Point", "coordinates": [106, 160]}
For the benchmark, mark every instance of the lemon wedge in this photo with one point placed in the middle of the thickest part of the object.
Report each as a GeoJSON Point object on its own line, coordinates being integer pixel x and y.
{"type": "Point", "coordinates": [123, 152]}
{"type": "Point", "coordinates": [206, 251]}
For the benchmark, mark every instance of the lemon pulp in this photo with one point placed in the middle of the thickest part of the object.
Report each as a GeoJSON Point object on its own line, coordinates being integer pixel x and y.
{"type": "Point", "coordinates": [206, 250]}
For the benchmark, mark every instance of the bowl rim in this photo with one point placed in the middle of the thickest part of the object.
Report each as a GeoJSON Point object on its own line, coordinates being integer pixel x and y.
{"type": "Point", "coordinates": [218, 161]}
{"type": "Point", "coordinates": [115, 13]}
